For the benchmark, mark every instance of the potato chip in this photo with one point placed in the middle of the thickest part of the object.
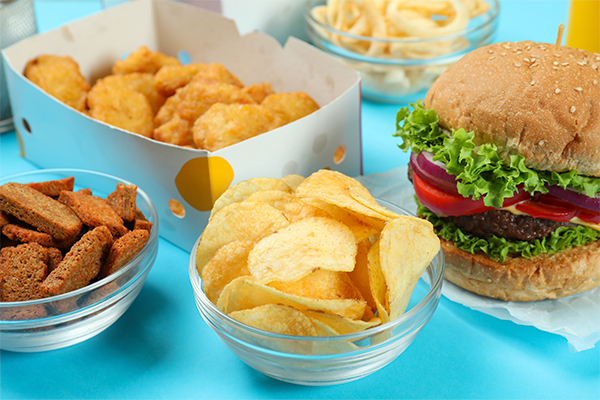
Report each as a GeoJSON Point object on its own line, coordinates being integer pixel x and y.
{"type": "Point", "coordinates": [342, 325]}
{"type": "Point", "coordinates": [293, 180]}
{"type": "Point", "coordinates": [245, 221]}
{"type": "Point", "coordinates": [407, 246]}
{"type": "Point", "coordinates": [377, 283]}
{"type": "Point", "coordinates": [228, 263]}
{"type": "Point", "coordinates": [343, 191]}
{"type": "Point", "coordinates": [276, 318]}
{"type": "Point", "coordinates": [303, 247]}
{"type": "Point", "coordinates": [292, 207]}
{"type": "Point", "coordinates": [240, 191]}
{"type": "Point", "coordinates": [321, 284]}
{"type": "Point", "coordinates": [362, 228]}
{"type": "Point", "coordinates": [323, 329]}
{"type": "Point", "coordinates": [243, 293]}
{"type": "Point", "coordinates": [360, 274]}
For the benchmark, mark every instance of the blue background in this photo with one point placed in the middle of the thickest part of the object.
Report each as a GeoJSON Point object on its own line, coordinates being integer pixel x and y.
{"type": "Point", "coordinates": [161, 348]}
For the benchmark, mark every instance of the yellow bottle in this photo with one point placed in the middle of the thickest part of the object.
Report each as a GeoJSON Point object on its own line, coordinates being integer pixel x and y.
{"type": "Point", "coordinates": [583, 29]}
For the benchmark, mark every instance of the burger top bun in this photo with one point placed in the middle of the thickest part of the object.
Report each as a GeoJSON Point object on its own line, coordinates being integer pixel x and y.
{"type": "Point", "coordinates": [527, 98]}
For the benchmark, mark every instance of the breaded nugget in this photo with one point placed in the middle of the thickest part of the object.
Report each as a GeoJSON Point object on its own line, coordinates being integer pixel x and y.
{"type": "Point", "coordinates": [172, 77]}
{"type": "Point", "coordinates": [80, 265]}
{"type": "Point", "coordinates": [124, 250]}
{"type": "Point", "coordinates": [142, 82]}
{"type": "Point", "coordinates": [197, 96]}
{"type": "Point", "coordinates": [123, 108]}
{"type": "Point", "coordinates": [166, 112]}
{"type": "Point", "coordinates": [290, 106]}
{"type": "Point", "coordinates": [24, 269]}
{"type": "Point", "coordinates": [54, 187]}
{"type": "Point", "coordinates": [39, 210]}
{"type": "Point", "coordinates": [94, 211]}
{"type": "Point", "coordinates": [218, 72]}
{"type": "Point", "coordinates": [225, 124]}
{"type": "Point", "coordinates": [123, 201]}
{"type": "Point", "coordinates": [25, 235]}
{"type": "Point", "coordinates": [60, 77]}
{"type": "Point", "coordinates": [143, 60]}
{"type": "Point", "coordinates": [259, 91]}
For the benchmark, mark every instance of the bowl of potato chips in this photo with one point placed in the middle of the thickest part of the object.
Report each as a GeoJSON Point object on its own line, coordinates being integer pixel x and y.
{"type": "Point", "coordinates": [400, 47]}
{"type": "Point", "coordinates": [313, 281]}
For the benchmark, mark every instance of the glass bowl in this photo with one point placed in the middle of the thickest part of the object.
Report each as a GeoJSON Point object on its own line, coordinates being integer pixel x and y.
{"type": "Point", "coordinates": [324, 360]}
{"type": "Point", "coordinates": [399, 70]}
{"type": "Point", "coordinates": [81, 314]}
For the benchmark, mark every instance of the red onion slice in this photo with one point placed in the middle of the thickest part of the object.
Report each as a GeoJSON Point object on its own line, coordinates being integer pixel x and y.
{"type": "Point", "coordinates": [433, 172]}
{"type": "Point", "coordinates": [577, 199]}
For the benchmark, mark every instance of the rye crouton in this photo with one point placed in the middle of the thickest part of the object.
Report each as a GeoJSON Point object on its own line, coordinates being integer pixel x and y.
{"type": "Point", "coordinates": [81, 264]}
{"type": "Point", "coordinates": [94, 211]}
{"type": "Point", "coordinates": [53, 188]}
{"type": "Point", "coordinates": [124, 250]}
{"type": "Point", "coordinates": [39, 210]}
{"type": "Point", "coordinates": [26, 235]}
{"type": "Point", "coordinates": [24, 269]}
{"type": "Point", "coordinates": [122, 200]}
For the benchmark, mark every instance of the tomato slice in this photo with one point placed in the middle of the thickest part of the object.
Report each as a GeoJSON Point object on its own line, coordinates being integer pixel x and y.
{"type": "Point", "coordinates": [444, 203]}
{"type": "Point", "coordinates": [551, 207]}
{"type": "Point", "coordinates": [537, 209]}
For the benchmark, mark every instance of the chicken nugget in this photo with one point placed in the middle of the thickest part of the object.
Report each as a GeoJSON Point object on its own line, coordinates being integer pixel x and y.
{"type": "Point", "coordinates": [258, 91]}
{"type": "Point", "coordinates": [60, 77]}
{"type": "Point", "coordinates": [142, 82]}
{"type": "Point", "coordinates": [218, 72]}
{"type": "Point", "coordinates": [172, 77]}
{"type": "Point", "coordinates": [197, 96]}
{"type": "Point", "coordinates": [225, 124]}
{"type": "Point", "coordinates": [143, 60]}
{"type": "Point", "coordinates": [123, 108]}
{"type": "Point", "coordinates": [290, 106]}
{"type": "Point", "coordinates": [166, 112]}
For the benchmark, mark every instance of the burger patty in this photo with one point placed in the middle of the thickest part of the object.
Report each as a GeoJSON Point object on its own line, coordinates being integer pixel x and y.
{"type": "Point", "coordinates": [507, 225]}
{"type": "Point", "coordinates": [504, 223]}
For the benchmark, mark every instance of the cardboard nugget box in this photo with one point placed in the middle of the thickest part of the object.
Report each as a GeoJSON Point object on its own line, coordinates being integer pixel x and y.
{"type": "Point", "coordinates": [53, 135]}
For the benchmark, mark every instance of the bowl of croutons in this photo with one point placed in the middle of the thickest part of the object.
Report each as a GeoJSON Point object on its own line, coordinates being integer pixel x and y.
{"type": "Point", "coordinates": [77, 247]}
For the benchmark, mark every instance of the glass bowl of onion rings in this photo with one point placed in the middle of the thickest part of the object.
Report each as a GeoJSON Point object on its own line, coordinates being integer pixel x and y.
{"type": "Point", "coordinates": [400, 47]}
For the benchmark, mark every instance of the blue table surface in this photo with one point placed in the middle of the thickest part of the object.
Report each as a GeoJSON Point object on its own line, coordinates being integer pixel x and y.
{"type": "Point", "coordinates": [161, 347]}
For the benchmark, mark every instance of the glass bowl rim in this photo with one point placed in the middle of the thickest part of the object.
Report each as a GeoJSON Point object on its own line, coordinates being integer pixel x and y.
{"type": "Point", "coordinates": [435, 288]}
{"type": "Point", "coordinates": [112, 277]}
{"type": "Point", "coordinates": [493, 13]}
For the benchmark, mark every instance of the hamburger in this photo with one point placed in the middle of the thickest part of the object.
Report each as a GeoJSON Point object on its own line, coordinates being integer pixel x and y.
{"type": "Point", "coordinates": [505, 162]}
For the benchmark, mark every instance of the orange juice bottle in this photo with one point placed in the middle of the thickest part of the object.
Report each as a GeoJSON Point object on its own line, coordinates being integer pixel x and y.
{"type": "Point", "coordinates": [583, 29]}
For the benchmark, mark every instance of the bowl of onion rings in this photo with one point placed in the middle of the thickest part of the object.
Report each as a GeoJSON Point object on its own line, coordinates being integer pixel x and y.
{"type": "Point", "coordinates": [400, 47]}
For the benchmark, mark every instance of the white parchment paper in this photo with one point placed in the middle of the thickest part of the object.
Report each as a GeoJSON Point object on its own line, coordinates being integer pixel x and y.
{"type": "Point", "coordinates": [576, 318]}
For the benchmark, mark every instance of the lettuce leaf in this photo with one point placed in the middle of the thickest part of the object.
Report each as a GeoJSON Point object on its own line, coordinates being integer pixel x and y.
{"type": "Point", "coordinates": [498, 248]}
{"type": "Point", "coordinates": [480, 170]}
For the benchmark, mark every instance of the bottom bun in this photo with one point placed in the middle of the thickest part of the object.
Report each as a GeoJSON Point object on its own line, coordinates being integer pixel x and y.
{"type": "Point", "coordinates": [548, 276]}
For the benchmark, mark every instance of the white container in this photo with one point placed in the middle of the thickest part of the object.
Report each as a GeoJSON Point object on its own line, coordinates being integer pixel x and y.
{"type": "Point", "coordinates": [53, 135]}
